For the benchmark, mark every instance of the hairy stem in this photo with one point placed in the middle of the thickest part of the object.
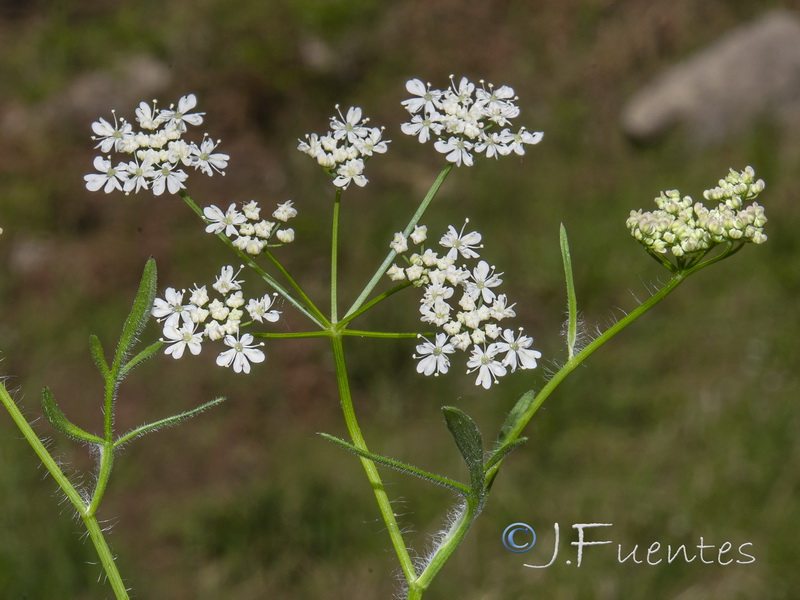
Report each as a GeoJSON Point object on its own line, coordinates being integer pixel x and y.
{"type": "Point", "coordinates": [89, 520]}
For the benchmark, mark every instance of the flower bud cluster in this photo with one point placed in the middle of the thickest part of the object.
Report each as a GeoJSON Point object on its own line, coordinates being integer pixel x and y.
{"type": "Point", "coordinates": [157, 152]}
{"type": "Point", "coordinates": [682, 227]}
{"type": "Point", "coordinates": [201, 319]}
{"type": "Point", "coordinates": [462, 301]}
{"type": "Point", "coordinates": [344, 149]}
{"type": "Point", "coordinates": [249, 232]}
{"type": "Point", "coordinates": [466, 120]}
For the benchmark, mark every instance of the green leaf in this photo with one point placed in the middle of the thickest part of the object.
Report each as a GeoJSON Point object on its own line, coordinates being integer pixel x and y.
{"type": "Point", "coordinates": [98, 355]}
{"type": "Point", "coordinates": [168, 422]}
{"type": "Point", "coordinates": [469, 440]}
{"type": "Point", "coordinates": [59, 420]}
{"type": "Point", "coordinates": [457, 487]}
{"type": "Point", "coordinates": [572, 304]}
{"type": "Point", "coordinates": [516, 413]}
{"type": "Point", "coordinates": [144, 355]}
{"type": "Point", "coordinates": [140, 313]}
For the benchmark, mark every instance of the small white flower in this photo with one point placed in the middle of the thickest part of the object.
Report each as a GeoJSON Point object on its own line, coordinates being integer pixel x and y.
{"type": "Point", "coordinates": [489, 369]}
{"type": "Point", "coordinates": [395, 273]}
{"type": "Point", "coordinates": [170, 309]}
{"type": "Point", "coordinates": [285, 211]}
{"type": "Point", "coordinates": [169, 178]}
{"type": "Point", "coordinates": [499, 309]}
{"type": "Point", "coordinates": [235, 300]}
{"type": "Point", "coordinates": [219, 221]}
{"type": "Point", "coordinates": [110, 178]}
{"type": "Point", "coordinates": [399, 244]}
{"type": "Point", "coordinates": [139, 176]}
{"type": "Point", "coordinates": [351, 171]}
{"type": "Point", "coordinates": [422, 127]}
{"type": "Point", "coordinates": [214, 331]}
{"type": "Point", "coordinates": [420, 234]}
{"type": "Point", "coordinates": [178, 118]}
{"type": "Point", "coordinates": [251, 210]}
{"type": "Point", "coordinates": [456, 149]}
{"type": "Point", "coordinates": [483, 280]}
{"type": "Point", "coordinates": [433, 355]}
{"type": "Point", "coordinates": [182, 338]}
{"type": "Point", "coordinates": [517, 351]}
{"type": "Point", "coordinates": [199, 296]}
{"type": "Point", "coordinates": [260, 310]}
{"type": "Point", "coordinates": [242, 352]}
{"type": "Point", "coordinates": [111, 136]}
{"type": "Point", "coordinates": [208, 161]}
{"type": "Point", "coordinates": [349, 126]}
{"type": "Point", "coordinates": [426, 97]}
{"type": "Point", "coordinates": [285, 235]}
{"type": "Point", "coordinates": [459, 243]}
{"type": "Point", "coordinates": [148, 116]}
{"type": "Point", "coordinates": [225, 281]}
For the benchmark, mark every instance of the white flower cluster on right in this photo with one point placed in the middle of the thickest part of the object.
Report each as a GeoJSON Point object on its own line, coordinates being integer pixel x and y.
{"type": "Point", "coordinates": [249, 232]}
{"type": "Point", "coordinates": [343, 150]}
{"type": "Point", "coordinates": [462, 301]}
{"type": "Point", "coordinates": [682, 227]}
{"type": "Point", "coordinates": [466, 119]}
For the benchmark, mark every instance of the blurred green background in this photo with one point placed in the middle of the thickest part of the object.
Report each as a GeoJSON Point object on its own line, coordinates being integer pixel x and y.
{"type": "Point", "coordinates": [684, 426]}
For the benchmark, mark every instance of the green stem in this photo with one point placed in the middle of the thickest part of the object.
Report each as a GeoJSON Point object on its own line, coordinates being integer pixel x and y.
{"type": "Point", "coordinates": [106, 558]}
{"type": "Point", "coordinates": [381, 334]}
{"type": "Point", "coordinates": [452, 539]}
{"type": "Point", "coordinates": [303, 296]}
{"type": "Point", "coordinates": [103, 474]}
{"type": "Point", "coordinates": [407, 231]}
{"type": "Point", "coordinates": [287, 335]}
{"type": "Point", "coordinates": [375, 301]}
{"type": "Point", "coordinates": [369, 467]}
{"type": "Point", "coordinates": [337, 203]}
{"type": "Point", "coordinates": [581, 356]}
{"type": "Point", "coordinates": [69, 490]}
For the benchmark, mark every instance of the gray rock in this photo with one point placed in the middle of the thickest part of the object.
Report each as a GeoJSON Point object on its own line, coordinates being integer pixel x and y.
{"type": "Point", "coordinates": [751, 72]}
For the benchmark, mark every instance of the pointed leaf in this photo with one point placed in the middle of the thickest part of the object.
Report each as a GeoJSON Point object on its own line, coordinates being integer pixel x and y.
{"type": "Point", "coordinates": [140, 313]}
{"type": "Point", "coordinates": [451, 484]}
{"type": "Point", "coordinates": [98, 355]}
{"type": "Point", "coordinates": [144, 355]}
{"type": "Point", "coordinates": [59, 420]}
{"type": "Point", "coordinates": [516, 413]}
{"type": "Point", "coordinates": [572, 304]}
{"type": "Point", "coordinates": [469, 440]}
{"type": "Point", "coordinates": [168, 422]}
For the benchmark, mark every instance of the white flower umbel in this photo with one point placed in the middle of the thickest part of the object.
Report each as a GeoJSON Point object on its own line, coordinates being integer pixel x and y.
{"type": "Point", "coordinates": [464, 303]}
{"type": "Point", "coordinates": [204, 319]}
{"type": "Point", "coordinates": [247, 230]}
{"type": "Point", "coordinates": [464, 120]}
{"type": "Point", "coordinates": [688, 230]}
{"type": "Point", "coordinates": [343, 151]}
{"type": "Point", "coordinates": [156, 153]}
